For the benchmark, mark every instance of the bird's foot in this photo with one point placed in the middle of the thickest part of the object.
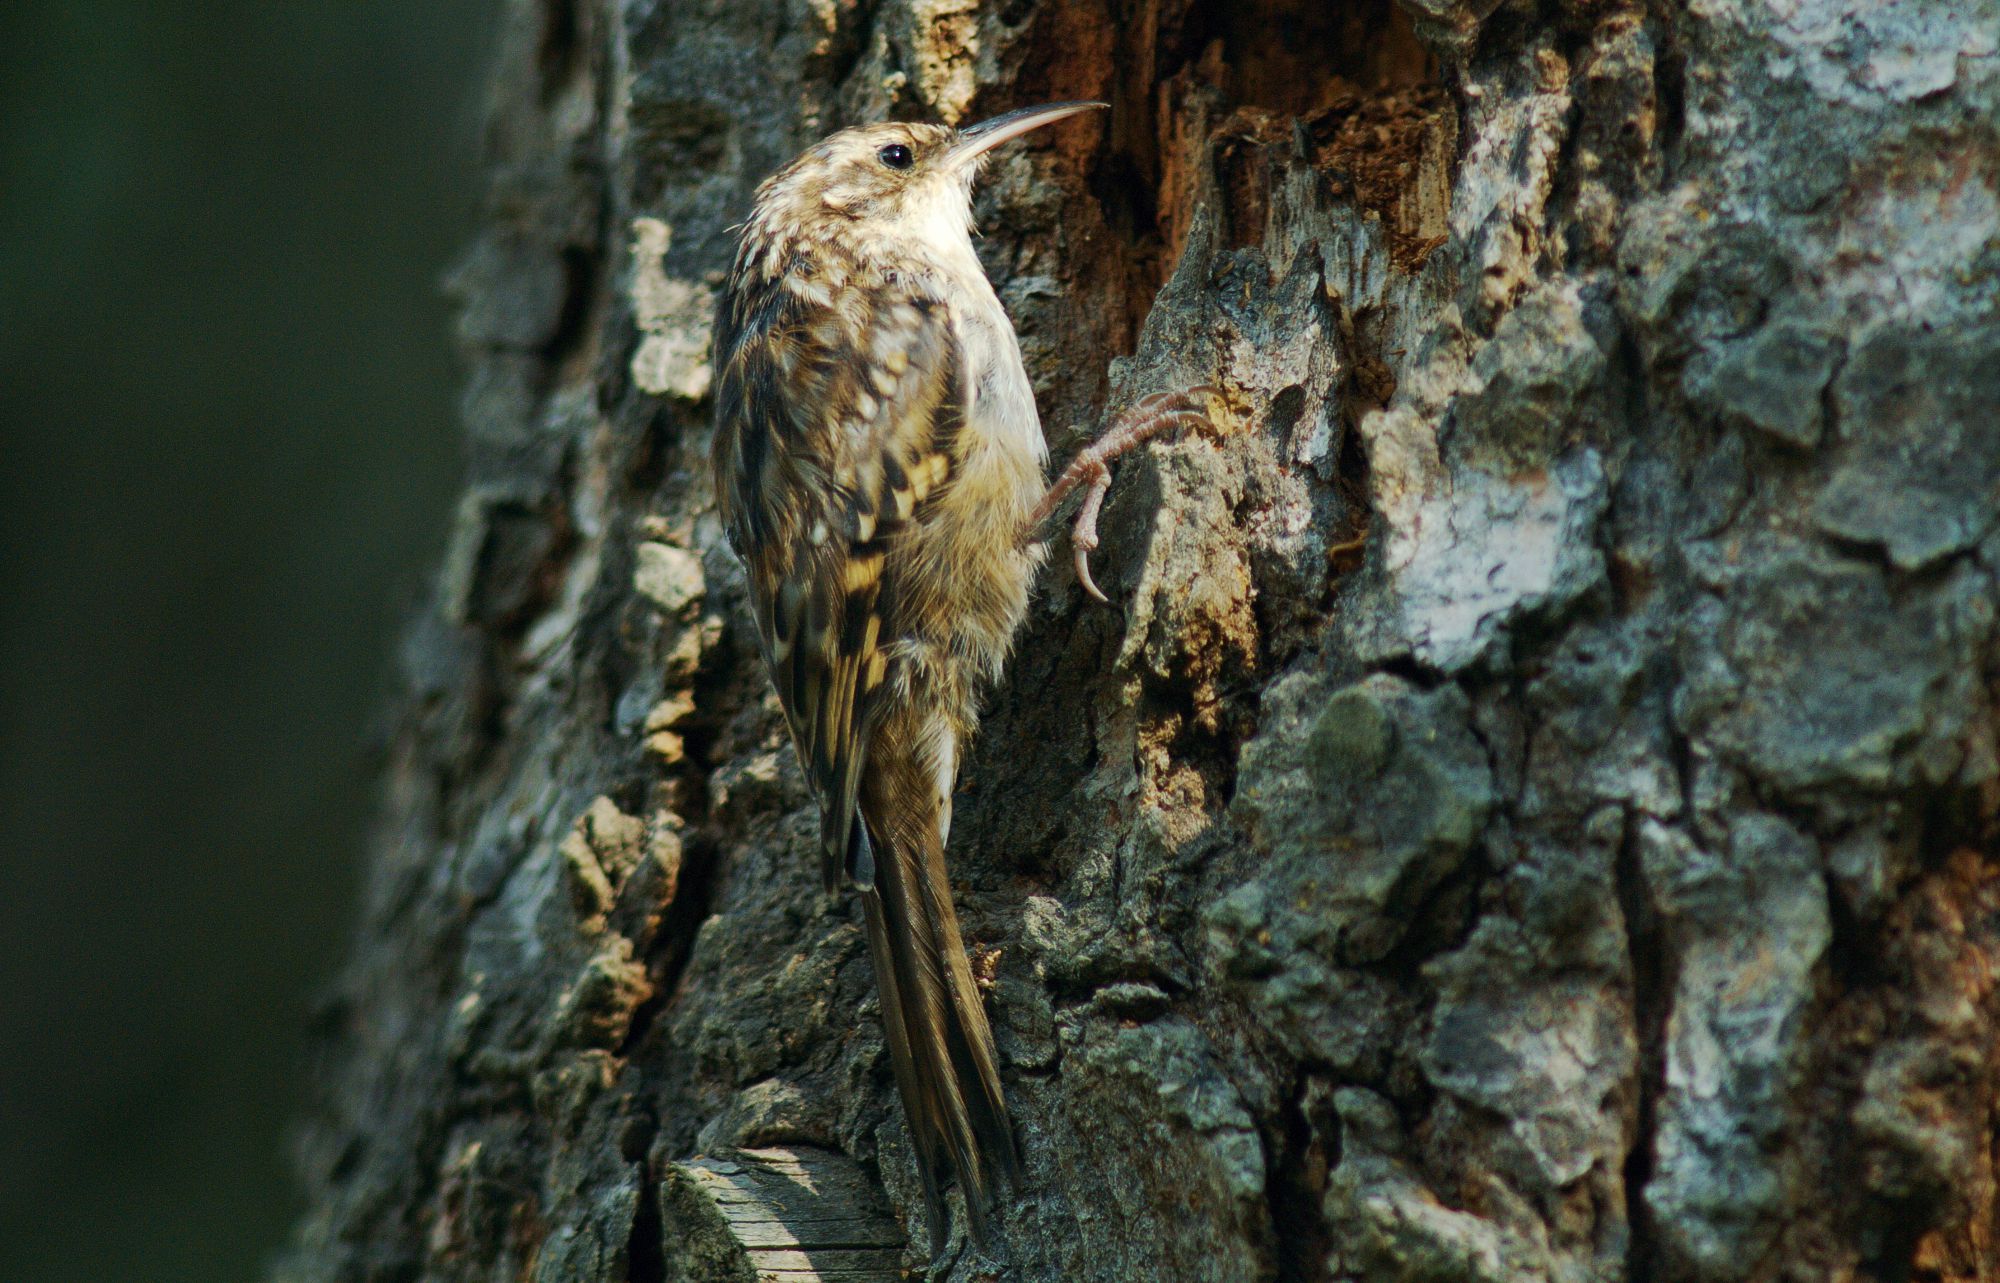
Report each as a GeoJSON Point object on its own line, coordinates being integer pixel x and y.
{"type": "Point", "coordinates": [1091, 469]}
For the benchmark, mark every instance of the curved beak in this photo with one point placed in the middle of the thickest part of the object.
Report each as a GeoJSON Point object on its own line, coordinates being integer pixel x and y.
{"type": "Point", "coordinates": [975, 141]}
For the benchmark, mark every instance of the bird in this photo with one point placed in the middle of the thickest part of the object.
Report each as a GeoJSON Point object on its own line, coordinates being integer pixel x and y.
{"type": "Point", "coordinates": [879, 469]}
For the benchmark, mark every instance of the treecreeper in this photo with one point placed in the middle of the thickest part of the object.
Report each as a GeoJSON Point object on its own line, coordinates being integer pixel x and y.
{"type": "Point", "coordinates": [879, 465]}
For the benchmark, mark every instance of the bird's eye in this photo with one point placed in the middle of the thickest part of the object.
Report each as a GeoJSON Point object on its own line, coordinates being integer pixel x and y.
{"type": "Point", "coordinates": [895, 156]}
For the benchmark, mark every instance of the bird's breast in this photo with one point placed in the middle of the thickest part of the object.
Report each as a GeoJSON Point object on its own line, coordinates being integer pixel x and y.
{"type": "Point", "coordinates": [969, 556]}
{"type": "Point", "coordinates": [1003, 456]}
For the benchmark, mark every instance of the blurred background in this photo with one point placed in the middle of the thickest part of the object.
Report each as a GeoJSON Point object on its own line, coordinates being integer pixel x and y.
{"type": "Point", "coordinates": [227, 454]}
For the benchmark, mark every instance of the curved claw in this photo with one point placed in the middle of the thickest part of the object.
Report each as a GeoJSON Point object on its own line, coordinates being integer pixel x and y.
{"type": "Point", "coordinates": [1083, 535]}
{"type": "Point", "coordinates": [1083, 575]}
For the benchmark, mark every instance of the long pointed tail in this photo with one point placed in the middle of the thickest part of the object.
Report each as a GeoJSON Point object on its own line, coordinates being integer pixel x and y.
{"type": "Point", "coordinates": [939, 1041]}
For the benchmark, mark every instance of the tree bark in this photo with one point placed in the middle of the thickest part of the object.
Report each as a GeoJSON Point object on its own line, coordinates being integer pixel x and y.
{"type": "Point", "coordinates": [1531, 814]}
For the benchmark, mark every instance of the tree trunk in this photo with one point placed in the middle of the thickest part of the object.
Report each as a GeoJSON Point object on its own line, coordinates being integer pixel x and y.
{"type": "Point", "coordinates": [1531, 813]}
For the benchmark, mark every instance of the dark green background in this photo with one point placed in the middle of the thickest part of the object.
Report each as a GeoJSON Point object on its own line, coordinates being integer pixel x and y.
{"type": "Point", "coordinates": [227, 450]}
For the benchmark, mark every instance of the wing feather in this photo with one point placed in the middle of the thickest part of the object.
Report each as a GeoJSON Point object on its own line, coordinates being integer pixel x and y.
{"type": "Point", "coordinates": [836, 429]}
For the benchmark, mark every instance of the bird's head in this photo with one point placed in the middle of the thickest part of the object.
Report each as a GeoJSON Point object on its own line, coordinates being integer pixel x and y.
{"type": "Point", "coordinates": [897, 177]}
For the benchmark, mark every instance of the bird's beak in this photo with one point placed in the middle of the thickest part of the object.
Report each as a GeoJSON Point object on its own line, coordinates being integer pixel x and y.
{"type": "Point", "coordinates": [975, 141]}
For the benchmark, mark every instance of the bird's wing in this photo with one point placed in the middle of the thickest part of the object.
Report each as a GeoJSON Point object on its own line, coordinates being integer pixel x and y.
{"type": "Point", "coordinates": [837, 417]}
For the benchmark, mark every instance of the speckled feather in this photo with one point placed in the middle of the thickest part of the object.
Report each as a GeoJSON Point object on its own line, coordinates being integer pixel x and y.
{"type": "Point", "coordinates": [840, 433]}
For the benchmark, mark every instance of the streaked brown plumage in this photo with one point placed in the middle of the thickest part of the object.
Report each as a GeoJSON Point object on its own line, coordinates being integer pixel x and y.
{"type": "Point", "coordinates": [877, 459]}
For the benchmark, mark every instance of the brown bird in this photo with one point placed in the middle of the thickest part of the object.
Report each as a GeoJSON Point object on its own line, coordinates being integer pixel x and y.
{"type": "Point", "coordinates": [879, 466]}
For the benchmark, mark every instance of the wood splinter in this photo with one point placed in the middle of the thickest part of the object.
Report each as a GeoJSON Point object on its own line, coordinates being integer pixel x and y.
{"type": "Point", "coordinates": [777, 1216]}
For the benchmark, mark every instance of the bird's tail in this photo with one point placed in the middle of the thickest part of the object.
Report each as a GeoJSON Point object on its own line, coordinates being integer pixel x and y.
{"type": "Point", "coordinates": [935, 1026]}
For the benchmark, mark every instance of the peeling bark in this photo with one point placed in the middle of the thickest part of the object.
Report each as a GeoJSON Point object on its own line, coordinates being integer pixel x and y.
{"type": "Point", "coordinates": [1533, 814]}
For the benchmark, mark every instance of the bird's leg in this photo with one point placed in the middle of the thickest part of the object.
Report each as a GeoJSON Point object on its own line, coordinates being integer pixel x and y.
{"type": "Point", "coordinates": [1091, 468]}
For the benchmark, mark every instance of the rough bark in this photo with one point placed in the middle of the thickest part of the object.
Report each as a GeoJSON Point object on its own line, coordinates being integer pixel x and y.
{"type": "Point", "coordinates": [1532, 815]}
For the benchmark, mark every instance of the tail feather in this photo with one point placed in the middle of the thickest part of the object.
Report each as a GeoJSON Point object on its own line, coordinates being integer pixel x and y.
{"type": "Point", "coordinates": [939, 1042]}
